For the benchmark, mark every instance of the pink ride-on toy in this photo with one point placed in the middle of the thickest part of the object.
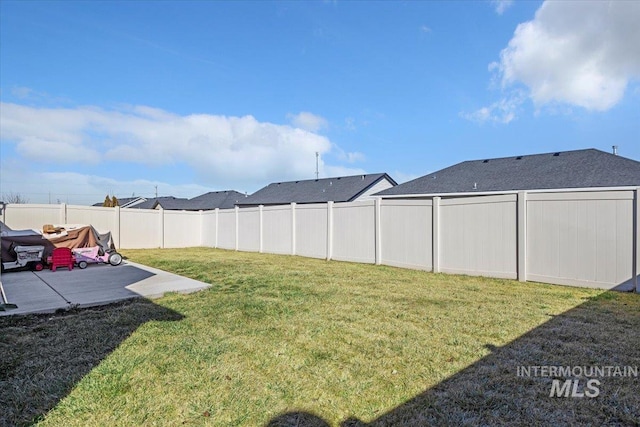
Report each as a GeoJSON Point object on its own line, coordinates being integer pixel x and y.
{"type": "Point", "coordinates": [95, 254]}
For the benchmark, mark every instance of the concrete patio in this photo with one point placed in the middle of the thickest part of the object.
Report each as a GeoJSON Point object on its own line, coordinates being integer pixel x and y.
{"type": "Point", "coordinates": [46, 291]}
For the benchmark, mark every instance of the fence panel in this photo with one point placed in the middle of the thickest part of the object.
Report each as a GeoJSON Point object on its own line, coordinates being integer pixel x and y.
{"type": "Point", "coordinates": [140, 228]}
{"type": "Point", "coordinates": [354, 232]}
{"type": "Point", "coordinates": [407, 233]}
{"type": "Point", "coordinates": [277, 229]}
{"type": "Point", "coordinates": [478, 236]}
{"type": "Point", "coordinates": [570, 238]}
{"type": "Point", "coordinates": [102, 219]}
{"type": "Point", "coordinates": [20, 217]}
{"type": "Point", "coordinates": [249, 229]}
{"type": "Point", "coordinates": [181, 229]}
{"type": "Point", "coordinates": [583, 239]}
{"type": "Point", "coordinates": [208, 233]}
{"type": "Point", "coordinates": [227, 229]}
{"type": "Point", "coordinates": [311, 230]}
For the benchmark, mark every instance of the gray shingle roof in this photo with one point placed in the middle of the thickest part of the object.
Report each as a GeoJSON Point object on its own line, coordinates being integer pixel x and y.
{"type": "Point", "coordinates": [166, 200]}
{"type": "Point", "coordinates": [121, 202]}
{"type": "Point", "coordinates": [208, 201]}
{"type": "Point", "coordinates": [338, 189]}
{"type": "Point", "coordinates": [215, 199]}
{"type": "Point", "coordinates": [567, 169]}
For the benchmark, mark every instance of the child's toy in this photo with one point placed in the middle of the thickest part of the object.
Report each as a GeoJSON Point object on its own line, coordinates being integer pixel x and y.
{"type": "Point", "coordinates": [96, 254]}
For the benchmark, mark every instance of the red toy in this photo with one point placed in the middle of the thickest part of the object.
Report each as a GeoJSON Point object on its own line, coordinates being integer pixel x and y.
{"type": "Point", "coordinates": [61, 257]}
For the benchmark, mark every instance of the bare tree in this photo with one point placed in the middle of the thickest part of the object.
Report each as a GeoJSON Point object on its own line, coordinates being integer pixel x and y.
{"type": "Point", "coordinates": [15, 198]}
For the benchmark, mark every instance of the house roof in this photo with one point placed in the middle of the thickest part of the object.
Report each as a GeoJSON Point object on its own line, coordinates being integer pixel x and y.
{"type": "Point", "coordinates": [164, 201]}
{"type": "Point", "coordinates": [208, 201]}
{"type": "Point", "coordinates": [337, 189]}
{"type": "Point", "coordinates": [566, 169]}
{"type": "Point", "coordinates": [122, 202]}
{"type": "Point", "coordinates": [215, 199]}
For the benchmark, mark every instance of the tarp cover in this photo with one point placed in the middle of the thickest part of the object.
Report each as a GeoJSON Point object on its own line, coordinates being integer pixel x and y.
{"type": "Point", "coordinates": [71, 237]}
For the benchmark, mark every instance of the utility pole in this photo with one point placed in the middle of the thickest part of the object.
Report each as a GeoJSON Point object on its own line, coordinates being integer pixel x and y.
{"type": "Point", "coordinates": [317, 159]}
{"type": "Point", "coordinates": [156, 191]}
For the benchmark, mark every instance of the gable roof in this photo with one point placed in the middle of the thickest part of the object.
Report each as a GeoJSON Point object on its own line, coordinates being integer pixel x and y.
{"type": "Point", "coordinates": [208, 201]}
{"type": "Point", "coordinates": [215, 199]}
{"type": "Point", "coordinates": [337, 189]}
{"type": "Point", "coordinates": [124, 202]}
{"type": "Point", "coordinates": [152, 202]}
{"type": "Point", "coordinates": [566, 169]}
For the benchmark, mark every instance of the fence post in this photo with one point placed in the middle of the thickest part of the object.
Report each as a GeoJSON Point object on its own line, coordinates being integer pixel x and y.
{"type": "Point", "coordinates": [237, 209]}
{"type": "Point", "coordinates": [161, 227]}
{"type": "Point", "coordinates": [215, 243]}
{"type": "Point", "coordinates": [63, 213]}
{"type": "Point", "coordinates": [636, 239]}
{"type": "Point", "coordinates": [201, 227]}
{"type": "Point", "coordinates": [293, 228]}
{"type": "Point", "coordinates": [260, 228]}
{"type": "Point", "coordinates": [329, 230]}
{"type": "Point", "coordinates": [378, 236]}
{"type": "Point", "coordinates": [436, 234]}
{"type": "Point", "coordinates": [521, 227]}
{"type": "Point", "coordinates": [116, 228]}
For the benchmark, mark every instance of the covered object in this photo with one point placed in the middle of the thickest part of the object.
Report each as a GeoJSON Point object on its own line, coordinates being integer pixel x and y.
{"type": "Point", "coordinates": [61, 236]}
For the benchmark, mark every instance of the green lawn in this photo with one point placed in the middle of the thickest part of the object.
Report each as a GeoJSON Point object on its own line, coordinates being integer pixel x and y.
{"type": "Point", "coordinates": [278, 338]}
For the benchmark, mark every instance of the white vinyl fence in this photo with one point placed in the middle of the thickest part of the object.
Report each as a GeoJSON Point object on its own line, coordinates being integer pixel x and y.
{"type": "Point", "coordinates": [581, 238]}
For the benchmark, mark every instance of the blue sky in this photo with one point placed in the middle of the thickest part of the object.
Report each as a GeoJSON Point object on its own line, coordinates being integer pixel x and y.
{"type": "Point", "coordinates": [120, 97]}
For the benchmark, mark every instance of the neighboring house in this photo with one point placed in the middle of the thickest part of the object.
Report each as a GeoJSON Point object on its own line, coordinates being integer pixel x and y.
{"type": "Point", "coordinates": [126, 202]}
{"type": "Point", "coordinates": [166, 202]}
{"type": "Point", "coordinates": [338, 189]}
{"type": "Point", "coordinates": [208, 201]}
{"type": "Point", "coordinates": [587, 168]}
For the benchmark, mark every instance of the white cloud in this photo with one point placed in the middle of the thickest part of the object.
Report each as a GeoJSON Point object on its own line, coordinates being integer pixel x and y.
{"type": "Point", "coordinates": [238, 150]}
{"type": "Point", "coordinates": [349, 157]}
{"type": "Point", "coordinates": [308, 121]}
{"type": "Point", "coordinates": [503, 111]}
{"type": "Point", "coordinates": [350, 123]}
{"type": "Point", "coordinates": [501, 5]}
{"type": "Point", "coordinates": [425, 29]}
{"type": "Point", "coordinates": [21, 92]}
{"type": "Point", "coordinates": [82, 189]}
{"type": "Point", "coordinates": [579, 53]}
{"type": "Point", "coordinates": [355, 156]}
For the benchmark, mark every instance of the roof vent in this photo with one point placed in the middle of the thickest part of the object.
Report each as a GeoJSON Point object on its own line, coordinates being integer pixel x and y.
{"type": "Point", "coordinates": [475, 185]}
{"type": "Point", "coordinates": [556, 154]}
{"type": "Point", "coordinates": [485, 161]}
{"type": "Point", "coordinates": [519, 158]}
{"type": "Point", "coordinates": [615, 150]}
{"type": "Point", "coordinates": [330, 183]}
{"type": "Point", "coordinates": [363, 177]}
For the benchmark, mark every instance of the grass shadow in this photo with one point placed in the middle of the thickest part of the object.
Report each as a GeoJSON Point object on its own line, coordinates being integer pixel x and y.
{"type": "Point", "coordinates": [491, 392]}
{"type": "Point", "coordinates": [42, 357]}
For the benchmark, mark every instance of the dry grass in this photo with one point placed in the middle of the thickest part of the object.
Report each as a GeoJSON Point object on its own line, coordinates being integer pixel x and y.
{"type": "Point", "coordinates": [278, 338]}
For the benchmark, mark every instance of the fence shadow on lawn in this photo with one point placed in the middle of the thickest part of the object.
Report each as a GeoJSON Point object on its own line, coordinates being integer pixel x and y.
{"type": "Point", "coordinates": [42, 357]}
{"type": "Point", "coordinates": [490, 392]}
